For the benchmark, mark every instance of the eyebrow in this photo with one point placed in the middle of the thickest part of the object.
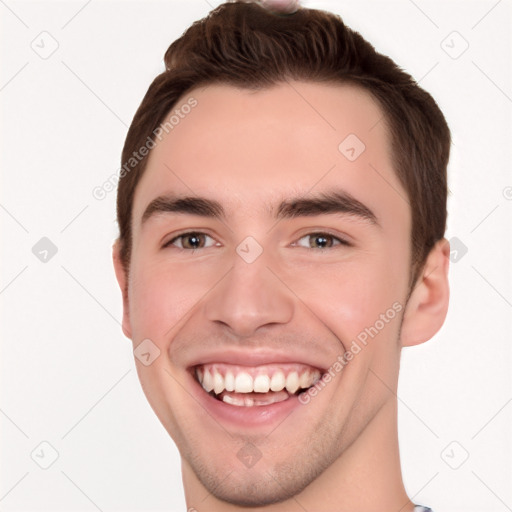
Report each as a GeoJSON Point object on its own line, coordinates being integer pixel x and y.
{"type": "Point", "coordinates": [332, 202]}
{"type": "Point", "coordinates": [337, 201]}
{"type": "Point", "coordinates": [185, 205]}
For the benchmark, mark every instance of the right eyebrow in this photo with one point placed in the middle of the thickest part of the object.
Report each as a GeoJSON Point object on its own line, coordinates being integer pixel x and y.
{"type": "Point", "coordinates": [188, 205]}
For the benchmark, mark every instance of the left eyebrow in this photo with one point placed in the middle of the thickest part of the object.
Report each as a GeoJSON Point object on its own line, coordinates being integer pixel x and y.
{"type": "Point", "coordinates": [337, 201]}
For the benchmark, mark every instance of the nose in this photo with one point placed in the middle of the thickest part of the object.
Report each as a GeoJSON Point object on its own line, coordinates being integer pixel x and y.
{"type": "Point", "coordinates": [249, 297]}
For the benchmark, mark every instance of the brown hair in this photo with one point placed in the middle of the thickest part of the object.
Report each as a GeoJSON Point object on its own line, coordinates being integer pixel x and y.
{"type": "Point", "coordinates": [248, 46]}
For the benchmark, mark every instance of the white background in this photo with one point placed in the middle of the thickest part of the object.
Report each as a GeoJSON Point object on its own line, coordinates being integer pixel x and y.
{"type": "Point", "coordinates": [67, 371]}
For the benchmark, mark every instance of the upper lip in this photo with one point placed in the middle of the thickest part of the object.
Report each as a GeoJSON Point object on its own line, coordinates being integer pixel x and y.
{"type": "Point", "coordinates": [254, 357]}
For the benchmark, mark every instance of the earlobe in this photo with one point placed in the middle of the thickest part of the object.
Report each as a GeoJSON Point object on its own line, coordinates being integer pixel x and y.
{"type": "Point", "coordinates": [427, 307]}
{"type": "Point", "coordinates": [122, 281]}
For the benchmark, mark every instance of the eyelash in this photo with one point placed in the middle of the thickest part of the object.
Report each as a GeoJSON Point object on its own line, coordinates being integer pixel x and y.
{"type": "Point", "coordinates": [313, 233]}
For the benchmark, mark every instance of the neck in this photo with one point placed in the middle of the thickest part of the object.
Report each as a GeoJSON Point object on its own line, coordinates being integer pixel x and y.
{"type": "Point", "coordinates": [365, 478]}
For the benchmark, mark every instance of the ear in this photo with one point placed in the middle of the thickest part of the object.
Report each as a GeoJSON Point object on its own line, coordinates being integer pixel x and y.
{"type": "Point", "coordinates": [427, 306]}
{"type": "Point", "coordinates": [122, 280]}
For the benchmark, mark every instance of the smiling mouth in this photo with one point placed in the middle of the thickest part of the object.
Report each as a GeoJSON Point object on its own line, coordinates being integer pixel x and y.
{"type": "Point", "coordinates": [249, 386]}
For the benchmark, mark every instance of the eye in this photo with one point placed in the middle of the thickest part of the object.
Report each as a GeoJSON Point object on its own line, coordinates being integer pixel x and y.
{"type": "Point", "coordinates": [321, 241]}
{"type": "Point", "coordinates": [191, 241]}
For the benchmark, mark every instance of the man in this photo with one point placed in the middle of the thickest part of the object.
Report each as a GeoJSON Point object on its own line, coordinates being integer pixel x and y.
{"type": "Point", "coordinates": [282, 207]}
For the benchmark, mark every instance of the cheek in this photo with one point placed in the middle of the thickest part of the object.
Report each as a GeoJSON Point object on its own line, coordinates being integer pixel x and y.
{"type": "Point", "coordinates": [349, 297]}
{"type": "Point", "coordinates": [164, 296]}
{"type": "Point", "coordinates": [157, 302]}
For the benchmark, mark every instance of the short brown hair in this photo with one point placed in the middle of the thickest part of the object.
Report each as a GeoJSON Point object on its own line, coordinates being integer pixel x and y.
{"type": "Point", "coordinates": [246, 45]}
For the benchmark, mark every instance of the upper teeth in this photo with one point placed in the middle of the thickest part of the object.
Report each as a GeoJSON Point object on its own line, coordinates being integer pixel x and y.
{"type": "Point", "coordinates": [260, 379]}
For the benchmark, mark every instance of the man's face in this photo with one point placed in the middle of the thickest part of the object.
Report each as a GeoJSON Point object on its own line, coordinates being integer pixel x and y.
{"type": "Point", "coordinates": [270, 294]}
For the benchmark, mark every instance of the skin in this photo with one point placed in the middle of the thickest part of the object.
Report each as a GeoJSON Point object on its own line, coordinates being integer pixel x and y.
{"type": "Point", "coordinates": [249, 151]}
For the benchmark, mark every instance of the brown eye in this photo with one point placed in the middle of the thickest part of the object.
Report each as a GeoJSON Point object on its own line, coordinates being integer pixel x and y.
{"type": "Point", "coordinates": [190, 241]}
{"type": "Point", "coordinates": [321, 241]}
{"type": "Point", "coordinates": [193, 241]}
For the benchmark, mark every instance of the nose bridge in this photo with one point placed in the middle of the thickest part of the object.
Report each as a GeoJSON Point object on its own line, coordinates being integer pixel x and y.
{"type": "Point", "coordinates": [250, 296]}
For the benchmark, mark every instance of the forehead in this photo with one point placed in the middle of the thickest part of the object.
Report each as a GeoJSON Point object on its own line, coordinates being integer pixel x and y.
{"type": "Point", "coordinates": [249, 150]}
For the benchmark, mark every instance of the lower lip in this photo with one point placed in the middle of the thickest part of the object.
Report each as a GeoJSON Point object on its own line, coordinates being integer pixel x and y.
{"type": "Point", "coordinates": [257, 415]}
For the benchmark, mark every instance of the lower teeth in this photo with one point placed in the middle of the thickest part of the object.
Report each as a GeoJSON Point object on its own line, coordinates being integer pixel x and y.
{"type": "Point", "coordinates": [253, 399]}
